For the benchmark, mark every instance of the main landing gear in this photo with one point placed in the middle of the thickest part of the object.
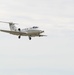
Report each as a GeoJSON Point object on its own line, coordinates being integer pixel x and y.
{"type": "Point", "coordinates": [19, 31]}
{"type": "Point", "coordinates": [29, 37]}
{"type": "Point", "coordinates": [19, 36]}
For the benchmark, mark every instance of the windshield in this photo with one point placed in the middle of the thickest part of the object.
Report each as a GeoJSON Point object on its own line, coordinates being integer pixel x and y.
{"type": "Point", "coordinates": [35, 27]}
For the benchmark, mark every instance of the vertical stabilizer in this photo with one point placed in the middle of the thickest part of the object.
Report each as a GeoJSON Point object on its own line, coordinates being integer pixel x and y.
{"type": "Point", "coordinates": [12, 26]}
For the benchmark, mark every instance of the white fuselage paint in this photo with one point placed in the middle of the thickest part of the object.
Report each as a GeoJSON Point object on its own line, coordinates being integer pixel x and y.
{"type": "Point", "coordinates": [32, 31]}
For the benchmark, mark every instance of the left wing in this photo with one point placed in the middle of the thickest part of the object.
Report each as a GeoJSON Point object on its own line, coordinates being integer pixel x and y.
{"type": "Point", "coordinates": [14, 32]}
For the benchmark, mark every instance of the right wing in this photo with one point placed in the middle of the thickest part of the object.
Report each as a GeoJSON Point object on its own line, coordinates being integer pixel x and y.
{"type": "Point", "coordinates": [14, 32]}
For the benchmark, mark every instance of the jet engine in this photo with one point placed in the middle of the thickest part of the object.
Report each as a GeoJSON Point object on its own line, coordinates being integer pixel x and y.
{"type": "Point", "coordinates": [19, 29]}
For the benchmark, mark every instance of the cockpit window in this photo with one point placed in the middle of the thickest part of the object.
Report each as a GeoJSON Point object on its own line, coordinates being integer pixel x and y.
{"type": "Point", "coordinates": [35, 27]}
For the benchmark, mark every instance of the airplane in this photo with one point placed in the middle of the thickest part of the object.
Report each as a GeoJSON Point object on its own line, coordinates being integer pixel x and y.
{"type": "Point", "coordinates": [30, 32]}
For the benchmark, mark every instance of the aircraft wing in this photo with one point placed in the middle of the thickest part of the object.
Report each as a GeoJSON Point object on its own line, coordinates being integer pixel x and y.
{"type": "Point", "coordinates": [14, 32]}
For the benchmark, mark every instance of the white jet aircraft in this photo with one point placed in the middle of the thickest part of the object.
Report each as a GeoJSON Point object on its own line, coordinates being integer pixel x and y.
{"type": "Point", "coordinates": [30, 32]}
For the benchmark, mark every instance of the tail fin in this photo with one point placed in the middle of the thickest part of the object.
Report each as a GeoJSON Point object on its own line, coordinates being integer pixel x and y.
{"type": "Point", "coordinates": [12, 27]}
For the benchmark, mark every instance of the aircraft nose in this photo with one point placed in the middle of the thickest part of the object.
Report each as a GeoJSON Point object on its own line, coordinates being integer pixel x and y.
{"type": "Point", "coordinates": [42, 31]}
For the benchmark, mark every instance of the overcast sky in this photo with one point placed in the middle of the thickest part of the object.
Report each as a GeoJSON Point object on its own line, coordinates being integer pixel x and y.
{"type": "Point", "coordinates": [51, 55]}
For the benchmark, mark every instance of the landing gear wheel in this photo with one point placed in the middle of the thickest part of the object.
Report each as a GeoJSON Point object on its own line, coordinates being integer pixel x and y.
{"type": "Point", "coordinates": [19, 36]}
{"type": "Point", "coordinates": [29, 38]}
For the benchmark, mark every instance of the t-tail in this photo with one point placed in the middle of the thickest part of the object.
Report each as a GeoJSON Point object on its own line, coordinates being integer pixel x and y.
{"type": "Point", "coordinates": [12, 27]}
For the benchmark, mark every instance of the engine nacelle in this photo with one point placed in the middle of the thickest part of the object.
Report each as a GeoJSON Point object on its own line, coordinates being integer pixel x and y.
{"type": "Point", "coordinates": [19, 29]}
